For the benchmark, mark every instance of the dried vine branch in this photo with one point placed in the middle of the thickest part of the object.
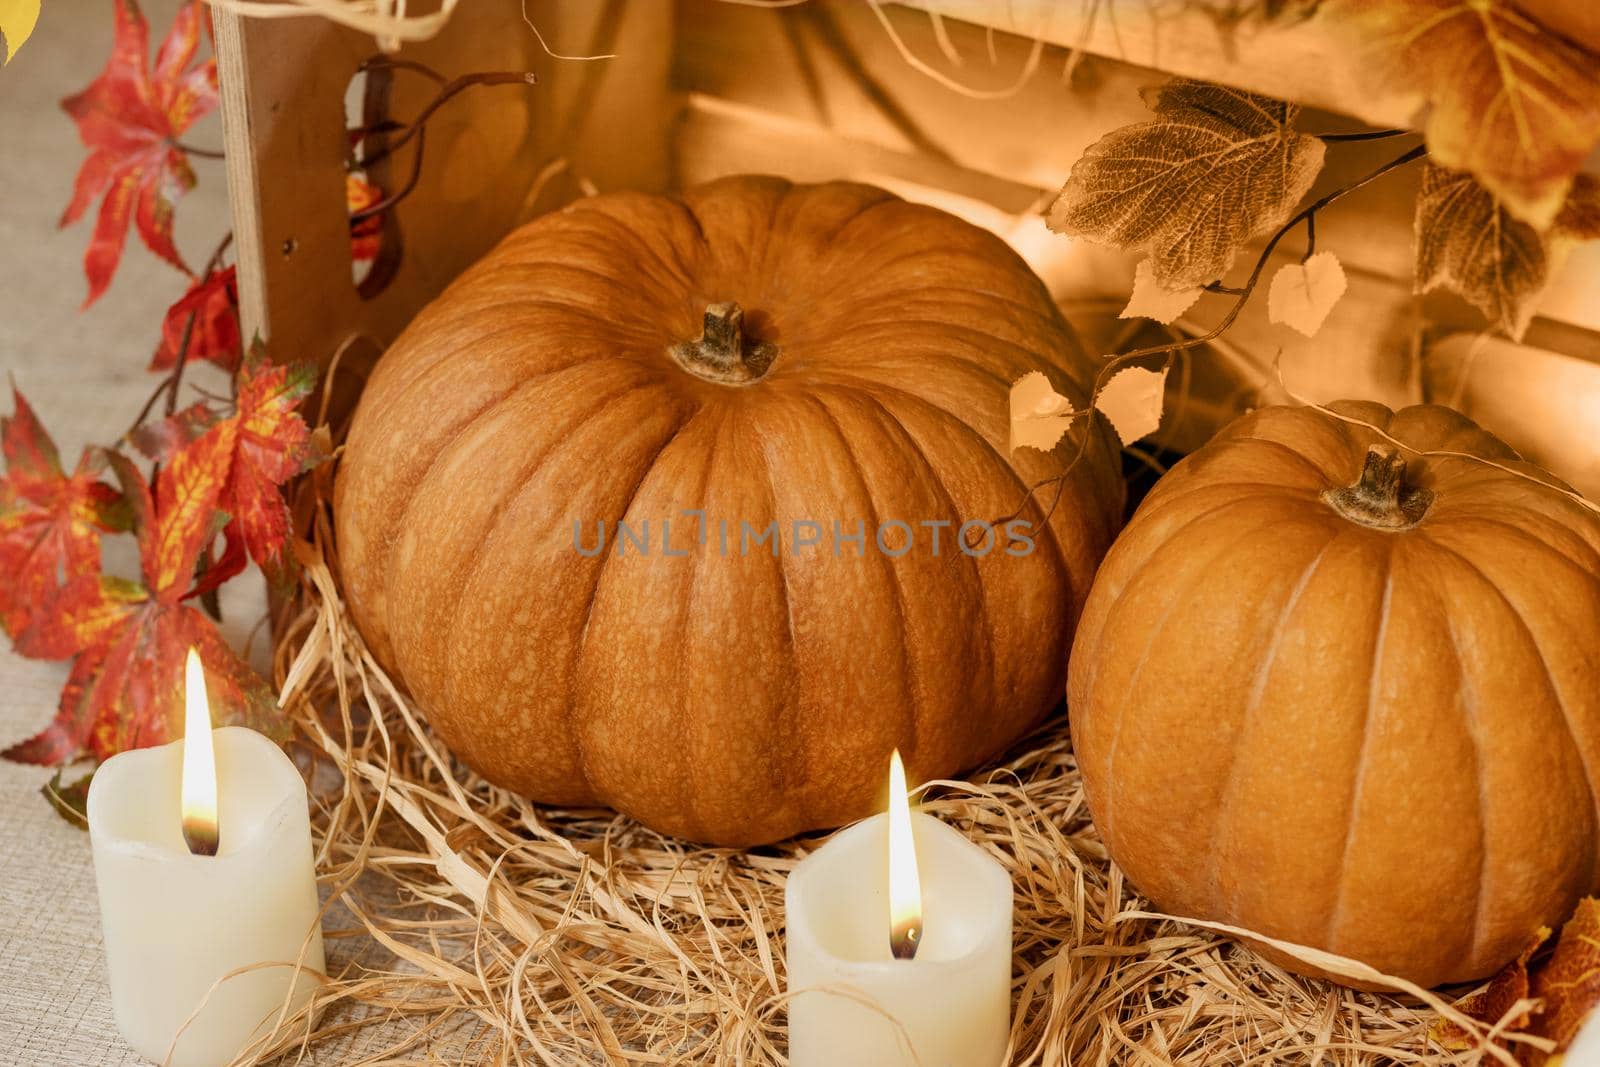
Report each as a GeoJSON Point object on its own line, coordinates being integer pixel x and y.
{"type": "Point", "coordinates": [1243, 293]}
{"type": "Point", "coordinates": [451, 90]}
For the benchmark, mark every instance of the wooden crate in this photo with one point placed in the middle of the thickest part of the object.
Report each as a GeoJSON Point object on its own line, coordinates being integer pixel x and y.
{"type": "Point", "coordinates": [824, 90]}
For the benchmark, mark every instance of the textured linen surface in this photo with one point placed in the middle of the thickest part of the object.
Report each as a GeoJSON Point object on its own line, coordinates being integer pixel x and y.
{"type": "Point", "coordinates": [84, 373]}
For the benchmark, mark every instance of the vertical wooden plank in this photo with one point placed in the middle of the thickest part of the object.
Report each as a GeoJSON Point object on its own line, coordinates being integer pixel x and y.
{"type": "Point", "coordinates": [283, 88]}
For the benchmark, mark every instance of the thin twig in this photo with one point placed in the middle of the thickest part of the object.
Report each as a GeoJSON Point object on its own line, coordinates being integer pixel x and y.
{"type": "Point", "coordinates": [922, 66]}
{"type": "Point", "coordinates": [399, 194]}
{"type": "Point", "coordinates": [1118, 362]}
{"type": "Point", "coordinates": [1146, 458]}
{"type": "Point", "coordinates": [203, 153]}
{"type": "Point", "coordinates": [168, 386]}
{"type": "Point", "coordinates": [1367, 135]}
{"type": "Point", "coordinates": [216, 256]}
{"type": "Point", "coordinates": [395, 63]}
{"type": "Point", "coordinates": [834, 40]}
{"type": "Point", "coordinates": [181, 362]}
{"type": "Point", "coordinates": [454, 88]}
{"type": "Point", "coordinates": [149, 405]}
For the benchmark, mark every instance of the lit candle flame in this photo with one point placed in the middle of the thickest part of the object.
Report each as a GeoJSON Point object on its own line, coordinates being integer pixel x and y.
{"type": "Point", "coordinates": [199, 795]}
{"type": "Point", "coordinates": [905, 885]}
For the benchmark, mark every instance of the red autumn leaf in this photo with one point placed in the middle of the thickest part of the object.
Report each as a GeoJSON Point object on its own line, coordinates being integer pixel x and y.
{"type": "Point", "coordinates": [125, 689]}
{"type": "Point", "coordinates": [129, 119]}
{"type": "Point", "coordinates": [212, 303]}
{"type": "Point", "coordinates": [213, 572]}
{"type": "Point", "coordinates": [365, 234]}
{"type": "Point", "coordinates": [50, 522]}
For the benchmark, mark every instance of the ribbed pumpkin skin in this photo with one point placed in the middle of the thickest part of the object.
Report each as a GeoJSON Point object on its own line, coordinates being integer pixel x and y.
{"type": "Point", "coordinates": [727, 698]}
{"type": "Point", "coordinates": [1380, 743]}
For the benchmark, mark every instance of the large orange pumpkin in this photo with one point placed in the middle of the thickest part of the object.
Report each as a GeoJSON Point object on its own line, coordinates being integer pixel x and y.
{"type": "Point", "coordinates": [751, 352]}
{"type": "Point", "coordinates": [1349, 697]}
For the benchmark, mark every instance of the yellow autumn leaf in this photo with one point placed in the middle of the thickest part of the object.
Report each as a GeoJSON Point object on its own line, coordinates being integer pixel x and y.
{"type": "Point", "coordinates": [17, 19]}
{"type": "Point", "coordinates": [1039, 414]}
{"type": "Point", "coordinates": [1152, 300]}
{"type": "Point", "coordinates": [1132, 401]}
{"type": "Point", "coordinates": [1302, 294]}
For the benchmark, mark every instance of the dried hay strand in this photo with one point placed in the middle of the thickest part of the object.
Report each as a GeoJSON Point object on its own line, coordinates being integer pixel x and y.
{"type": "Point", "coordinates": [465, 924]}
{"type": "Point", "coordinates": [388, 21]}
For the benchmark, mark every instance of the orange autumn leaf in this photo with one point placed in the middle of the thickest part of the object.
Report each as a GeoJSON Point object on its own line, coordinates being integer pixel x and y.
{"type": "Point", "coordinates": [129, 118]}
{"type": "Point", "coordinates": [128, 639]}
{"type": "Point", "coordinates": [50, 522]}
{"type": "Point", "coordinates": [365, 233]}
{"type": "Point", "coordinates": [187, 497]}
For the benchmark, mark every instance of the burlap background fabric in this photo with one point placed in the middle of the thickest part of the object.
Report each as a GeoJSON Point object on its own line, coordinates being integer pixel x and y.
{"type": "Point", "coordinates": [84, 373]}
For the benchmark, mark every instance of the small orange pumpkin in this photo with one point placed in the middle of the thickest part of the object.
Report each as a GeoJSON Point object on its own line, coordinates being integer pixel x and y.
{"type": "Point", "coordinates": [1348, 696]}
{"type": "Point", "coordinates": [753, 351]}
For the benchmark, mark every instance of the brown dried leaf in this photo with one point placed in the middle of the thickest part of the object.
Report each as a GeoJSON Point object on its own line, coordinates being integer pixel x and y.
{"type": "Point", "coordinates": [1469, 243]}
{"type": "Point", "coordinates": [1508, 100]}
{"type": "Point", "coordinates": [1507, 992]}
{"type": "Point", "coordinates": [1569, 982]}
{"type": "Point", "coordinates": [1216, 167]}
{"type": "Point", "coordinates": [1579, 217]}
{"type": "Point", "coordinates": [70, 799]}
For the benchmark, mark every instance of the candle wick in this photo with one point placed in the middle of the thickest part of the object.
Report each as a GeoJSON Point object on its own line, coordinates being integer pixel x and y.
{"type": "Point", "coordinates": [904, 940]}
{"type": "Point", "coordinates": [202, 838]}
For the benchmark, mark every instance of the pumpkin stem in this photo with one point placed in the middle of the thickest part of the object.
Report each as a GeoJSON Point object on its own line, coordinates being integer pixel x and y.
{"type": "Point", "coordinates": [722, 353]}
{"type": "Point", "coordinates": [1381, 498]}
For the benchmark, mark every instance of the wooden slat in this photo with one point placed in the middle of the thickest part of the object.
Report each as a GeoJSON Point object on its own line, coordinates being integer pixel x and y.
{"type": "Point", "coordinates": [716, 138]}
{"type": "Point", "coordinates": [1545, 404]}
{"type": "Point", "coordinates": [1292, 59]}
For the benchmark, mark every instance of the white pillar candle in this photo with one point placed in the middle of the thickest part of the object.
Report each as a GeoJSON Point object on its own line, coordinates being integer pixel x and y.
{"type": "Point", "coordinates": [854, 1002]}
{"type": "Point", "coordinates": [176, 922]}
